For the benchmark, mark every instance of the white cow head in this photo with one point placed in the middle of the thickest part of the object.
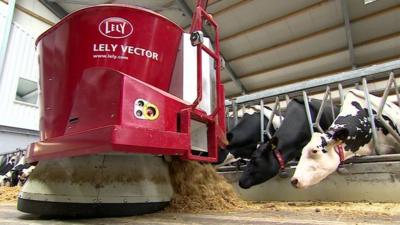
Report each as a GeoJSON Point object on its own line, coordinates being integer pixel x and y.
{"type": "Point", "coordinates": [318, 158]}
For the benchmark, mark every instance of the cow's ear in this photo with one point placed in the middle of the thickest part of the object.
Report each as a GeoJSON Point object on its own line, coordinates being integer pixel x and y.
{"type": "Point", "coordinates": [340, 134]}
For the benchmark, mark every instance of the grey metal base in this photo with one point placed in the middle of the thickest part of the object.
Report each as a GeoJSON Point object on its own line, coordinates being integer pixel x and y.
{"type": "Point", "coordinates": [67, 209]}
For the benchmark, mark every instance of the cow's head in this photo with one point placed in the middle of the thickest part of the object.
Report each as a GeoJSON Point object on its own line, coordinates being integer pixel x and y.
{"type": "Point", "coordinates": [261, 167]}
{"type": "Point", "coordinates": [319, 158]}
{"type": "Point", "coordinates": [243, 138]}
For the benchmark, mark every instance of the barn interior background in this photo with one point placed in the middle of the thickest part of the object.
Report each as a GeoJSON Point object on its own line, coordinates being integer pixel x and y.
{"type": "Point", "coordinates": [265, 44]}
{"type": "Point", "coordinates": [270, 49]}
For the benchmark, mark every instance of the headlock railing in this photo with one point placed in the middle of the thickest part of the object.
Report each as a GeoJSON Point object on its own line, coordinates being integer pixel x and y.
{"type": "Point", "coordinates": [372, 81]}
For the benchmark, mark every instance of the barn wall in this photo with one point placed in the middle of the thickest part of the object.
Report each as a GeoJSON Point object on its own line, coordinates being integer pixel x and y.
{"type": "Point", "coordinates": [32, 25]}
{"type": "Point", "coordinates": [21, 61]}
{"type": "Point", "coordinates": [12, 138]}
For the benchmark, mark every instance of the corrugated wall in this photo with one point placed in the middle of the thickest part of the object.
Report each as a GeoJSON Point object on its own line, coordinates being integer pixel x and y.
{"type": "Point", "coordinates": [21, 61]}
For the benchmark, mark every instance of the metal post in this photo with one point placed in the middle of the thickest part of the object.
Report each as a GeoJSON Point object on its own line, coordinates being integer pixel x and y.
{"type": "Point", "coordinates": [332, 106]}
{"type": "Point", "coordinates": [228, 118]}
{"type": "Point", "coordinates": [287, 98]}
{"type": "Point", "coordinates": [6, 34]}
{"type": "Point", "coordinates": [396, 89]}
{"type": "Point", "coordinates": [236, 80]}
{"type": "Point", "coordinates": [371, 116]}
{"type": "Point", "coordinates": [382, 105]}
{"type": "Point", "coordinates": [320, 111]}
{"type": "Point", "coordinates": [55, 8]}
{"type": "Point", "coordinates": [385, 94]}
{"type": "Point", "coordinates": [308, 113]}
{"type": "Point", "coordinates": [280, 113]}
{"type": "Point", "coordinates": [341, 95]}
{"type": "Point", "coordinates": [274, 110]}
{"type": "Point", "coordinates": [347, 28]}
{"type": "Point", "coordinates": [262, 120]}
{"type": "Point", "coordinates": [235, 113]}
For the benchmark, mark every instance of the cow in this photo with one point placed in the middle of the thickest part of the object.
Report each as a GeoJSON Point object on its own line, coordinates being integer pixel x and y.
{"type": "Point", "coordinates": [286, 144]}
{"type": "Point", "coordinates": [246, 135]}
{"type": "Point", "coordinates": [26, 171]}
{"type": "Point", "coordinates": [348, 136]}
{"type": "Point", "coordinates": [19, 169]}
{"type": "Point", "coordinates": [7, 162]}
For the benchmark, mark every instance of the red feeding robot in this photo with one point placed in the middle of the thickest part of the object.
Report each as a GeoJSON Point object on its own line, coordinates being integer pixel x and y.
{"type": "Point", "coordinates": [122, 89]}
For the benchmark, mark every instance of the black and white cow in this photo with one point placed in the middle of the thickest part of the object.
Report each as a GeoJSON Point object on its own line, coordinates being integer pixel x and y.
{"type": "Point", "coordinates": [15, 169]}
{"type": "Point", "coordinates": [348, 136]}
{"type": "Point", "coordinates": [286, 143]}
{"type": "Point", "coordinates": [246, 135]}
{"type": "Point", "coordinates": [7, 162]}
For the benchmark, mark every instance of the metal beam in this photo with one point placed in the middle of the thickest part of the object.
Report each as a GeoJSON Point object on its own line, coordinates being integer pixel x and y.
{"type": "Point", "coordinates": [349, 75]}
{"type": "Point", "coordinates": [224, 10]}
{"type": "Point", "coordinates": [6, 34]}
{"type": "Point", "coordinates": [315, 57]}
{"type": "Point", "coordinates": [186, 9]}
{"type": "Point", "coordinates": [311, 35]}
{"type": "Point", "coordinates": [55, 8]}
{"type": "Point", "coordinates": [349, 37]}
{"type": "Point", "coordinates": [275, 20]}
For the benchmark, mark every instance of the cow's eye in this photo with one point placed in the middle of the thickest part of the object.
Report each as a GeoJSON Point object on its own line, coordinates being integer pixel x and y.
{"type": "Point", "coordinates": [314, 151]}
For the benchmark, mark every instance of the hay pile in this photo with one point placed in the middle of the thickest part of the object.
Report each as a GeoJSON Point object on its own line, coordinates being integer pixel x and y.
{"type": "Point", "coordinates": [198, 188]}
{"type": "Point", "coordinates": [9, 194]}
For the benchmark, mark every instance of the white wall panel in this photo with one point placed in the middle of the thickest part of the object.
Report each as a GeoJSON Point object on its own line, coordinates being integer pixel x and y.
{"type": "Point", "coordinates": [21, 61]}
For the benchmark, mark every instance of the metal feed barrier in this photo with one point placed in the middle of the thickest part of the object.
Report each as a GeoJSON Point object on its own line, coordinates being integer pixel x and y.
{"type": "Point", "coordinates": [370, 178]}
{"type": "Point", "coordinates": [23, 150]}
{"type": "Point", "coordinates": [325, 82]}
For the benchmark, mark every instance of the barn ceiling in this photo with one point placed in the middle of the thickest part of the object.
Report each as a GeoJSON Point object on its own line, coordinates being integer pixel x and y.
{"type": "Point", "coordinates": [267, 43]}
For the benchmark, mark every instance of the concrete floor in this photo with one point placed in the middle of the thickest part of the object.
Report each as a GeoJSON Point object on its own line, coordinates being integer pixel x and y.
{"type": "Point", "coordinates": [267, 215]}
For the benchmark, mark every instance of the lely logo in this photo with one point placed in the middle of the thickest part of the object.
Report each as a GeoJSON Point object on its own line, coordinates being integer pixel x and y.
{"type": "Point", "coordinates": [115, 27]}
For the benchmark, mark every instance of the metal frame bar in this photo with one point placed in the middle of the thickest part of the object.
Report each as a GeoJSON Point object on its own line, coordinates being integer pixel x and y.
{"type": "Point", "coordinates": [308, 113]}
{"type": "Point", "coordinates": [55, 8]}
{"type": "Point", "coordinates": [235, 114]}
{"type": "Point", "coordinates": [228, 118]}
{"type": "Point", "coordinates": [276, 108]}
{"type": "Point", "coordinates": [320, 110]}
{"type": "Point", "coordinates": [186, 9]}
{"type": "Point", "coordinates": [382, 105]}
{"type": "Point", "coordinates": [336, 78]}
{"type": "Point", "coordinates": [347, 27]}
{"type": "Point", "coordinates": [287, 99]}
{"type": "Point", "coordinates": [332, 106]}
{"type": "Point", "coordinates": [13, 151]}
{"type": "Point", "coordinates": [6, 35]}
{"type": "Point", "coordinates": [262, 120]}
{"type": "Point", "coordinates": [396, 90]}
{"type": "Point", "coordinates": [371, 116]}
{"type": "Point", "coordinates": [341, 94]}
